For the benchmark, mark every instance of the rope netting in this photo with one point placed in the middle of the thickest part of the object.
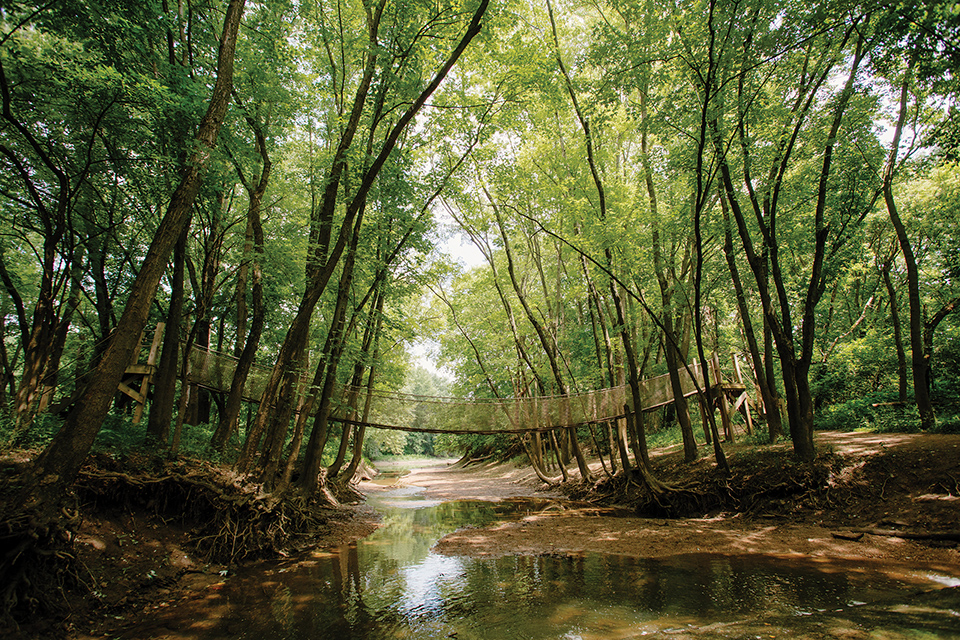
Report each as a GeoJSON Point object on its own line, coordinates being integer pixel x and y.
{"type": "Point", "coordinates": [406, 412]}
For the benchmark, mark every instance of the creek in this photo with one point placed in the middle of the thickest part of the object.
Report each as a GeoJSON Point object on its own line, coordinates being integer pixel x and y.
{"type": "Point", "coordinates": [390, 585]}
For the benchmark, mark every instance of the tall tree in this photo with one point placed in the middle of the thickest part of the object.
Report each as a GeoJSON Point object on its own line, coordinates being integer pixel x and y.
{"type": "Point", "coordinates": [59, 463]}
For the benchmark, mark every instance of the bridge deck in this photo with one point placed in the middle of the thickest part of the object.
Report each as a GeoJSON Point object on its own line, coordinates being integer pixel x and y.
{"type": "Point", "coordinates": [213, 370]}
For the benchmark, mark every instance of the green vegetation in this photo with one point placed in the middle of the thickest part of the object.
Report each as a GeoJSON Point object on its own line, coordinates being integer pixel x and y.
{"type": "Point", "coordinates": [645, 186]}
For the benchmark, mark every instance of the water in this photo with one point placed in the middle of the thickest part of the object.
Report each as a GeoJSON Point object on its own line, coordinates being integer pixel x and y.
{"type": "Point", "coordinates": [391, 586]}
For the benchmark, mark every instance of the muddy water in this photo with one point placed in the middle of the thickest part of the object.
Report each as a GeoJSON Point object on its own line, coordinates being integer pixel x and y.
{"type": "Point", "coordinates": [390, 585]}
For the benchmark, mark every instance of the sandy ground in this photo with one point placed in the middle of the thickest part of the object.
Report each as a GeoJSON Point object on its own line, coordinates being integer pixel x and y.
{"type": "Point", "coordinates": [570, 528]}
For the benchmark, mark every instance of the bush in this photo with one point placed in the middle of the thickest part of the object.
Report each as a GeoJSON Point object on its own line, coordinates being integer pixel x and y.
{"type": "Point", "coordinates": [869, 413]}
{"type": "Point", "coordinates": [44, 427]}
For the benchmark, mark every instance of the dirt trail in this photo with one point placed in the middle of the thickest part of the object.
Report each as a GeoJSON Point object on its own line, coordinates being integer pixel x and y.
{"type": "Point", "coordinates": [445, 480]}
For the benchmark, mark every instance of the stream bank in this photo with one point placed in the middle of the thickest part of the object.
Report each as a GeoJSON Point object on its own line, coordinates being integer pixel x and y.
{"type": "Point", "coordinates": [150, 584]}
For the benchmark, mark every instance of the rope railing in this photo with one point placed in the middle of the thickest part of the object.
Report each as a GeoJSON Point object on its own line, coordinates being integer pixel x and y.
{"type": "Point", "coordinates": [390, 410]}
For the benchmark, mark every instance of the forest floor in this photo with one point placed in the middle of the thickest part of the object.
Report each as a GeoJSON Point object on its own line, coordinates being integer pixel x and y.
{"type": "Point", "coordinates": [891, 498]}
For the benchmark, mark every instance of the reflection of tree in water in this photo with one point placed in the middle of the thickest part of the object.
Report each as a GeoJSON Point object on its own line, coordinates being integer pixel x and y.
{"type": "Point", "coordinates": [391, 586]}
{"type": "Point", "coordinates": [683, 588]}
{"type": "Point", "coordinates": [345, 567]}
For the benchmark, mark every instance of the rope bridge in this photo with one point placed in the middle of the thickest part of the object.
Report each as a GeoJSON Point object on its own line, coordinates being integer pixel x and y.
{"type": "Point", "coordinates": [394, 410]}
{"type": "Point", "coordinates": [388, 410]}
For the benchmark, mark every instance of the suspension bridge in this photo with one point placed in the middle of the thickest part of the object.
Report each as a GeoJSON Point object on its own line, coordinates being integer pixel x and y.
{"type": "Point", "coordinates": [214, 371]}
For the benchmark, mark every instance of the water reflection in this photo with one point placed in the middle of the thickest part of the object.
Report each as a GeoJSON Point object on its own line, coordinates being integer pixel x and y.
{"type": "Point", "coordinates": [391, 585]}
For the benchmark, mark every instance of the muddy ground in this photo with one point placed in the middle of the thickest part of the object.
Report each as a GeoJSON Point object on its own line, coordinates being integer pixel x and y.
{"type": "Point", "coordinates": [882, 485]}
{"type": "Point", "coordinates": [890, 499]}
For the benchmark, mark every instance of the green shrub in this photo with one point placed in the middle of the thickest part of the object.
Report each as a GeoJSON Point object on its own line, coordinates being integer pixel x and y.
{"type": "Point", "coordinates": [44, 427]}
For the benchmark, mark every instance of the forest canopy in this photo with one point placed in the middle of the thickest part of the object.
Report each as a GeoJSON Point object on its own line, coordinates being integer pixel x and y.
{"type": "Point", "coordinates": [646, 185]}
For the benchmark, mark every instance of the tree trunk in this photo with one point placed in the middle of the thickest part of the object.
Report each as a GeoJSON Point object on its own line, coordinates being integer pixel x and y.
{"type": "Point", "coordinates": [165, 380]}
{"type": "Point", "coordinates": [546, 342]}
{"type": "Point", "coordinates": [351, 469]}
{"type": "Point", "coordinates": [252, 266]}
{"type": "Point", "coordinates": [919, 359]}
{"type": "Point", "coordinates": [929, 328]}
{"type": "Point", "coordinates": [897, 332]}
{"type": "Point", "coordinates": [356, 380]}
{"type": "Point", "coordinates": [36, 353]}
{"type": "Point", "coordinates": [58, 465]}
{"type": "Point", "coordinates": [674, 364]}
{"type": "Point", "coordinates": [771, 410]}
{"type": "Point", "coordinates": [327, 372]}
{"type": "Point", "coordinates": [51, 376]}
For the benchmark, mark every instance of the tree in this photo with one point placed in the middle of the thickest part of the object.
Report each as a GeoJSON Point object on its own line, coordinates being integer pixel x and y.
{"type": "Point", "coordinates": [59, 463]}
{"type": "Point", "coordinates": [277, 403]}
{"type": "Point", "coordinates": [915, 37]}
{"type": "Point", "coordinates": [820, 56]}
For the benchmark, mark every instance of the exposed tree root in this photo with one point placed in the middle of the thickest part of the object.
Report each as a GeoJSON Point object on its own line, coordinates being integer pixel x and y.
{"type": "Point", "coordinates": [37, 566]}
{"type": "Point", "coordinates": [695, 490]}
{"type": "Point", "coordinates": [228, 521]}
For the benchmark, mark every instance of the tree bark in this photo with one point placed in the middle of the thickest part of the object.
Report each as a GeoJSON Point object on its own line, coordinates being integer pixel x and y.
{"type": "Point", "coordinates": [59, 464]}
{"type": "Point", "coordinates": [897, 331]}
{"type": "Point", "coordinates": [165, 381]}
{"type": "Point", "coordinates": [771, 408]}
{"type": "Point", "coordinates": [351, 469]}
{"type": "Point", "coordinates": [252, 268]}
{"type": "Point", "coordinates": [919, 358]}
{"type": "Point", "coordinates": [356, 380]}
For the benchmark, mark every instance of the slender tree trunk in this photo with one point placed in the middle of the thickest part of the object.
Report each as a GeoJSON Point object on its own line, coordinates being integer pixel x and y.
{"type": "Point", "coordinates": [919, 358]}
{"type": "Point", "coordinates": [897, 332]}
{"type": "Point", "coordinates": [231, 410]}
{"type": "Point", "coordinates": [58, 465]}
{"type": "Point", "coordinates": [772, 411]}
{"type": "Point", "coordinates": [674, 366]}
{"type": "Point", "coordinates": [51, 376]}
{"type": "Point", "coordinates": [351, 469]}
{"type": "Point", "coordinates": [929, 328]}
{"type": "Point", "coordinates": [252, 268]}
{"type": "Point", "coordinates": [356, 380]}
{"type": "Point", "coordinates": [36, 353]}
{"type": "Point", "coordinates": [673, 356]}
{"type": "Point", "coordinates": [327, 372]}
{"type": "Point", "coordinates": [200, 409]}
{"type": "Point", "coordinates": [243, 277]}
{"type": "Point", "coordinates": [165, 380]}
{"type": "Point", "coordinates": [546, 342]}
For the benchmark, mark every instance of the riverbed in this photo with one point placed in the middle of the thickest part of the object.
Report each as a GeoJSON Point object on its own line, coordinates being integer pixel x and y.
{"type": "Point", "coordinates": [537, 566]}
{"type": "Point", "coordinates": [394, 584]}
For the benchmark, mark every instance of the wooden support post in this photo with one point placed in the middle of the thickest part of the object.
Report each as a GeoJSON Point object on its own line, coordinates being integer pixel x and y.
{"type": "Point", "coordinates": [743, 398]}
{"type": "Point", "coordinates": [722, 397]}
{"type": "Point", "coordinates": [622, 439]}
{"type": "Point", "coordinates": [140, 397]}
{"type": "Point", "coordinates": [705, 405]}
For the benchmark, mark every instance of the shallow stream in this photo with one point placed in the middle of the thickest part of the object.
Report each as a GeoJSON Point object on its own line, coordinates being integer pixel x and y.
{"type": "Point", "coordinates": [391, 585]}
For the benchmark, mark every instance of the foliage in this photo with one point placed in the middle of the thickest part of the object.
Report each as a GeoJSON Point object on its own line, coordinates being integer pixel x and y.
{"type": "Point", "coordinates": [580, 167]}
